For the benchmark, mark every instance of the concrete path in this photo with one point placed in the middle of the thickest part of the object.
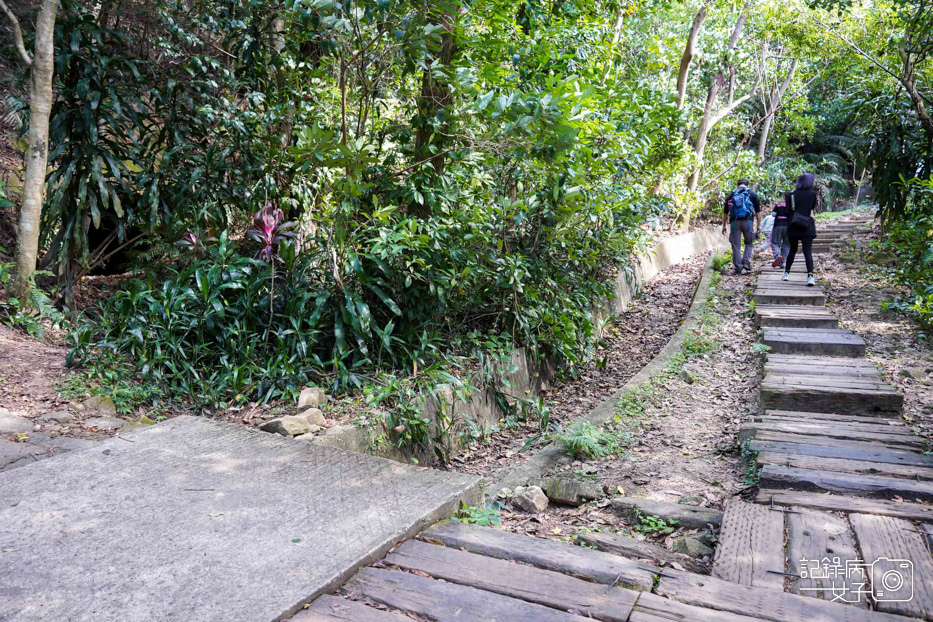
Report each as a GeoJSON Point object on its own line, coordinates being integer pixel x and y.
{"type": "Point", "coordinates": [199, 521]}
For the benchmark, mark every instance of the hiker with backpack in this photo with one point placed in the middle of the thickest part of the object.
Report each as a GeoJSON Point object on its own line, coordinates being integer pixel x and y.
{"type": "Point", "coordinates": [780, 244]}
{"type": "Point", "coordinates": [741, 206]}
{"type": "Point", "coordinates": [801, 230]}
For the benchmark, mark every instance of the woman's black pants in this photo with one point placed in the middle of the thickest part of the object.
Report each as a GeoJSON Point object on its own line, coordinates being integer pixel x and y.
{"type": "Point", "coordinates": [807, 253]}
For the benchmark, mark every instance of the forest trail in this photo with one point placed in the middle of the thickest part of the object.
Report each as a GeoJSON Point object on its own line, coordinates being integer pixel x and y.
{"type": "Point", "coordinates": [829, 424]}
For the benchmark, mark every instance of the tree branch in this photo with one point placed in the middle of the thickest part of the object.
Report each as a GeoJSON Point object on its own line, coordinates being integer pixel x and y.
{"type": "Point", "coordinates": [17, 34]}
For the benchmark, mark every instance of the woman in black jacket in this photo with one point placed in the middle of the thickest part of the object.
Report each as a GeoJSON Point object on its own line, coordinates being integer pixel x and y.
{"type": "Point", "coordinates": [802, 227]}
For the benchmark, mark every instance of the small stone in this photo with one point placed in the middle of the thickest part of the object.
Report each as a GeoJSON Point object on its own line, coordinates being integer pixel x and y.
{"type": "Point", "coordinates": [312, 396]}
{"type": "Point", "coordinates": [914, 373]}
{"type": "Point", "coordinates": [102, 405]}
{"type": "Point", "coordinates": [146, 420]}
{"type": "Point", "coordinates": [686, 376]}
{"type": "Point", "coordinates": [504, 493]}
{"type": "Point", "coordinates": [104, 423]}
{"type": "Point", "coordinates": [570, 491]}
{"type": "Point", "coordinates": [641, 481]}
{"type": "Point", "coordinates": [287, 426]}
{"type": "Point", "coordinates": [530, 499]}
{"type": "Point", "coordinates": [692, 546]}
{"type": "Point", "coordinates": [13, 424]}
{"type": "Point", "coordinates": [313, 416]}
{"type": "Point", "coordinates": [59, 416]}
{"type": "Point", "coordinates": [309, 436]}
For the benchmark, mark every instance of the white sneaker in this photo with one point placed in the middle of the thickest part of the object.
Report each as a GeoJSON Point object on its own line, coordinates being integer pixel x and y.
{"type": "Point", "coordinates": [786, 276]}
{"type": "Point", "coordinates": [811, 282]}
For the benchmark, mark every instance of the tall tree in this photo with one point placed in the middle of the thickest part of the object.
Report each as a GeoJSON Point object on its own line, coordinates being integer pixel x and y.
{"type": "Point", "coordinates": [710, 119]}
{"type": "Point", "coordinates": [772, 103]}
{"type": "Point", "coordinates": [41, 65]}
{"type": "Point", "coordinates": [687, 58]}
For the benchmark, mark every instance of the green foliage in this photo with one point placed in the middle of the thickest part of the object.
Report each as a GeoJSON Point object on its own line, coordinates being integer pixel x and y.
{"type": "Point", "coordinates": [126, 393]}
{"type": "Point", "coordinates": [655, 526]}
{"type": "Point", "coordinates": [722, 261]}
{"type": "Point", "coordinates": [35, 314]}
{"type": "Point", "coordinates": [484, 517]}
{"type": "Point", "coordinates": [583, 439]}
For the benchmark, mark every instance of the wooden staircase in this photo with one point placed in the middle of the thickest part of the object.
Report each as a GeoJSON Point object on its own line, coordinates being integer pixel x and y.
{"type": "Point", "coordinates": [836, 465]}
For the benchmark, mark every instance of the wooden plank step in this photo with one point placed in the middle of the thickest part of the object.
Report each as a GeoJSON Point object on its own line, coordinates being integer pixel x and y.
{"type": "Point", "coordinates": [769, 315]}
{"type": "Point", "coordinates": [840, 417]}
{"type": "Point", "coordinates": [638, 549]}
{"type": "Point", "coordinates": [813, 537]}
{"type": "Point", "coordinates": [809, 359]}
{"type": "Point", "coordinates": [821, 369]}
{"type": "Point", "coordinates": [653, 608]}
{"type": "Point", "coordinates": [764, 603]}
{"type": "Point", "coordinates": [780, 297]}
{"type": "Point", "coordinates": [902, 578]}
{"type": "Point", "coordinates": [332, 608]}
{"type": "Point", "coordinates": [751, 543]}
{"type": "Point", "coordinates": [819, 341]}
{"type": "Point", "coordinates": [881, 426]}
{"type": "Point", "coordinates": [687, 516]}
{"type": "Point", "coordinates": [552, 589]}
{"type": "Point", "coordinates": [438, 600]}
{"type": "Point", "coordinates": [826, 441]}
{"type": "Point", "coordinates": [861, 402]}
{"type": "Point", "coordinates": [547, 554]}
{"type": "Point", "coordinates": [839, 382]}
{"type": "Point", "coordinates": [874, 454]}
{"type": "Point", "coordinates": [845, 503]}
{"type": "Point", "coordinates": [752, 429]}
{"type": "Point", "coordinates": [873, 486]}
{"type": "Point", "coordinates": [842, 465]}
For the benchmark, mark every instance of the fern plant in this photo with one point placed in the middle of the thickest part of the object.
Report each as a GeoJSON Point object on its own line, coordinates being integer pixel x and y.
{"type": "Point", "coordinates": [583, 439]}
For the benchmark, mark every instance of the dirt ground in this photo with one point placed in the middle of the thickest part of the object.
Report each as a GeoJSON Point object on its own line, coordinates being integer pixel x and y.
{"type": "Point", "coordinates": [630, 342]}
{"type": "Point", "coordinates": [682, 447]}
{"type": "Point", "coordinates": [30, 371]}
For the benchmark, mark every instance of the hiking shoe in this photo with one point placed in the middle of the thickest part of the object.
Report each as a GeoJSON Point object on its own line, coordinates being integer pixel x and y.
{"type": "Point", "coordinates": [777, 262]}
{"type": "Point", "coordinates": [738, 271]}
{"type": "Point", "coordinates": [786, 276]}
{"type": "Point", "coordinates": [747, 267]}
{"type": "Point", "coordinates": [811, 282]}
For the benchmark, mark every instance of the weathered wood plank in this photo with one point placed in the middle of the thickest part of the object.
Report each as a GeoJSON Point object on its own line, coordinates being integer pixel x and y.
{"type": "Point", "coordinates": [873, 486]}
{"type": "Point", "coordinates": [799, 359]}
{"type": "Point", "coordinates": [331, 609]}
{"type": "Point", "coordinates": [778, 297]}
{"type": "Point", "coordinates": [838, 503]}
{"type": "Point", "coordinates": [547, 554]}
{"type": "Point", "coordinates": [841, 417]}
{"type": "Point", "coordinates": [653, 608]}
{"type": "Point", "coordinates": [763, 603]}
{"type": "Point", "coordinates": [787, 369]}
{"type": "Point", "coordinates": [751, 543]}
{"type": "Point", "coordinates": [810, 439]}
{"type": "Point", "coordinates": [637, 549]}
{"type": "Point", "coordinates": [752, 428]}
{"type": "Point", "coordinates": [877, 425]}
{"type": "Point", "coordinates": [552, 589]}
{"type": "Point", "coordinates": [830, 400]}
{"type": "Point", "coordinates": [859, 467]}
{"type": "Point", "coordinates": [447, 601]}
{"type": "Point", "coordinates": [822, 342]}
{"type": "Point", "coordinates": [811, 537]}
{"type": "Point", "coordinates": [687, 516]}
{"type": "Point", "coordinates": [847, 453]}
{"type": "Point", "coordinates": [840, 382]}
{"type": "Point", "coordinates": [882, 537]}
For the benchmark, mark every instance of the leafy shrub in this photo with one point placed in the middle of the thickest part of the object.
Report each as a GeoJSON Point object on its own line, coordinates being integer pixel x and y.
{"type": "Point", "coordinates": [484, 517]}
{"type": "Point", "coordinates": [582, 438]}
{"type": "Point", "coordinates": [655, 526]}
{"type": "Point", "coordinates": [36, 313]}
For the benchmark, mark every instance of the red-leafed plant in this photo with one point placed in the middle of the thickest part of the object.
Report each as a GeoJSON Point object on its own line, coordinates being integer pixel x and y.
{"type": "Point", "coordinates": [269, 230]}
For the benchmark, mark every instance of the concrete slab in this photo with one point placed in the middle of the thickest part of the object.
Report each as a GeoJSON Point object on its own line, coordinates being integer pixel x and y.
{"type": "Point", "coordinates": [196, 520]}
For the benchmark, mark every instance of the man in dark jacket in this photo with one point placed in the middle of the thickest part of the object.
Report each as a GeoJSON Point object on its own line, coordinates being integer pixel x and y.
{"type": "Point", "coordinates": [741, 206]}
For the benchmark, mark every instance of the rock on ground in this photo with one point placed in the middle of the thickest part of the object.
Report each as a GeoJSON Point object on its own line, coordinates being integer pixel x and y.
{"type": "Point", "coordinates": [530, 499]}
{"type": "Point", "coordinates": [313, 416]}
{"type": "Point", "coordinates": [569, 491]}
{"type": "Point", "coordinates": [312, 397]}
{"type": "Point", "coordinates": [11, 423]}
{"type": "Point", "coordinates": [290, 425]}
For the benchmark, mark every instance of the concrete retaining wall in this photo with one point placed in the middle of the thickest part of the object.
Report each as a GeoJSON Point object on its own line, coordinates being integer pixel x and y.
{"type": "Point", "coordinates": [529, 378]}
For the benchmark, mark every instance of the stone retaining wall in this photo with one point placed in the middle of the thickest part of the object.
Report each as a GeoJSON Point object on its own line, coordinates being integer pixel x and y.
{"type": "Point", "coordinates": [530, 377]}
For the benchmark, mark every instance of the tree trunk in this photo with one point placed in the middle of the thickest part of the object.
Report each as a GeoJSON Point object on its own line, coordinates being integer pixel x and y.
{"type": "Point", "coordinates": [714, 89]}
{"type": "Point", "coordinates": [685, 60]}
{"type": "Point", "coordinates": [40, 107]}
{"type": "Point", "coordinates": [777, 95]}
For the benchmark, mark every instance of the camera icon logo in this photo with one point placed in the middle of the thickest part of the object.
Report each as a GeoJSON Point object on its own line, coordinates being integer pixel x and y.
{"type": "Point", "coordinates": [892, 580]}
